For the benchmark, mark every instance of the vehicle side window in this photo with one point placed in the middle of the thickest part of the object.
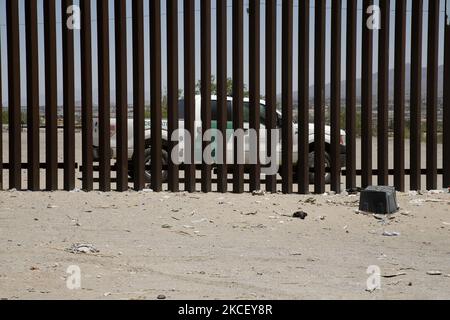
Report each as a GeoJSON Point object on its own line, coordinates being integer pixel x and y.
{"type": "Point", "coordinates": [229, 111]}
{"type": "Point", "coordinates": [214, 114]}
{"type": "Point", "coordinates": [181, 109]}
{"type": "Point", "coordinates": [247, 112]}
{"type": "Point", "coordinates": [262, 114]}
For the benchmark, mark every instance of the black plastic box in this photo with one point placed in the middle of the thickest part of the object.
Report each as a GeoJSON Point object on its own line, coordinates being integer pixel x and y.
{"type": "Point", "coordinates": [379, 200]}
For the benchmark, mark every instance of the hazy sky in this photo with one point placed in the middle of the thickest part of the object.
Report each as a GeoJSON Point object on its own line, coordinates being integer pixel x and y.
{"type": "Point", "coordinates": [4, 59]}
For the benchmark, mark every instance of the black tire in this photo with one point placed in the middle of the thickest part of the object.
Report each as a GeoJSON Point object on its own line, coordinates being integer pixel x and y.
{"type": "Point", "coordinates": [311, 167]}
{"type": "Point", "coordinates": [148, 162]}
{"type": "Point", "coordinates": [327, 166]}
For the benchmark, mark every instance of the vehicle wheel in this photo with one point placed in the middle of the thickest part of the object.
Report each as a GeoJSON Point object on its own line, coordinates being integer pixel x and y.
{"type": "Point", "coordinates": [327, 165]}
{"type": "Point", "coordinates": [148, 162]}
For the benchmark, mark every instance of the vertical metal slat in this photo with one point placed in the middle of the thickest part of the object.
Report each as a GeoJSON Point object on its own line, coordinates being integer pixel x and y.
{"type": "Point", "coordinates": [155, 89]}
{"type": "Point", "coordinates": [189, 89]}
{"type": "Point", "coordinates": [432, 93]}
{"type": "Point", "coordinates": [120, 7]}
{"type": "Point", "coordinates": [104, 112]}
{"type": "Point", "coordinates": [68, 99]}
{"type": "Point", "coordinates": [206, 87]}
{"type": "Point", "coordinates": [366, 97]}
{"type": "Point", "coordinates": [383, 94]}
{"type": "Point", "coordinates": [399, 95]}
{"type": "Point", "coordinates": [138, 95]}
{"type": "Point", "coordinates": [238, 88]}
{"type": "Point", "coordinates": [303, 98]}
{"type": "Point", "coordinates": [32, 96]}
{"type": "Point", "coordinates": [350, 112]}
{"type": "Point", "coordinates": [446, 116]}
{"type": "Point", "coordinates": [255, 89]}
{"type": "Point", "coordinates": [172, 87]}
{"type": "Point", "coordinates": [336, 95]}
{"type": "Point", "coordinates": [319, 102]}
{"type": "Point", "coordinates": [271, 86]}
{"type": "Point", "coordinates": [287, 143]}
{"type": "Point", "coordinates": [222, 108]}
{"type": "Point", "coordinates": [14, 112]}
{"type": "Point", "coordinates": [416, 94]}
{"type": "Point", "coordinates": [86, 95]}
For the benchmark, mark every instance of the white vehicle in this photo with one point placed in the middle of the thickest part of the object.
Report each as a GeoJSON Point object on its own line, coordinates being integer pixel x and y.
{"type": "Point", "coordinates": [198, 137]}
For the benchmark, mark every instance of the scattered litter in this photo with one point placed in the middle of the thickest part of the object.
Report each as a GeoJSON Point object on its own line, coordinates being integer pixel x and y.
{"type": "Point", "coordinates": [107, 294]}
{"type": "Point", "coordinates": [50, 206]}
{"type": "Point", "coordinates": [259, 193]}
{"type": "Point", "coordinates": [434, 273]}
{"type": "Point", "coordinates": [394, 275]}
{"type": "Point", "coordinates": [311, 200]}
{"type": "Point", "coordinates": [80, 248]}
{"type": "Point", "coordinates": [166, 226]}
{"type": "Point", "coordinates": [147, 190]}
{"type": "Point", "coordinates": [253, 213]}
{"type": "Point", "coordinates": [420, 202]}
{"type": "Point", "coordinates": [436, 191]}
{"type": "Point", "coordinates": [300, 215]}
{"type": "Point", "coordinates": [406, 214]}
{"type": "Point", "coordinates": [391, 234]}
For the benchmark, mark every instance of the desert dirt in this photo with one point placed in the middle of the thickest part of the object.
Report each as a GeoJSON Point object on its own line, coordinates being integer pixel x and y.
{"type": "Point", "coordinates": [214, 246]}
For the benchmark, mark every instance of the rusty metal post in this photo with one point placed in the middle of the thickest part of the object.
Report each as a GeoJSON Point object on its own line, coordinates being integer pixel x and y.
{"type": "Point", "coordinates": [172, 88]}
{"type": "Point", "coordinates": [255, 88]}
{"type": "Point", "coordinates": [416, 95]}
{"type": "Point", "coordinates": [238, 91]}
{"type": "Point", "coordinates": [14, 112]}
{"type": "Point", "coordinates": [271, 87]}
{"type": "Point", "coordinates": [138, 96]}
{"type": "Point", "coordinates": [399, 95]}
{"type": "Point", "coordinates": [222, 107]}
{"type": "Point", "coordinates": [206, 87]}
{"type": "Point", "coordinates": [120, 10]}
{"type": "Point", "coordinates": [303, 98]}
{"type": "Point", "coordinates": [104, 100]}
{"type": "Point", "coordinates": [350, 112]}
{"type": "Point", "coordinates": [68, 99]}
{"type": "Point", "coordinates": [336, 20]}
{"type": "Point", "coordinates": [383, 94]}
{"type": "Point", "coordinates": [32, 96]}
{"type": "Point", "coordinates": [86, 96]}
{"type": "Point", "coordinates": [432, 93]}
{"type": "Point", "coordinates": [366, 96]}
{"type": "Point", "coordinates": [319, 102]}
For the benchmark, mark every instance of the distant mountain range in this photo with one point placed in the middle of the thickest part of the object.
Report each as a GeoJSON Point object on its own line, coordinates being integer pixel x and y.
{"type": "Point", "coordinates": [375, 85]}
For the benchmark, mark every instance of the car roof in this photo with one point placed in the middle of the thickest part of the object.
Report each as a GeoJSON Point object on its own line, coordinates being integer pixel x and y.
{"type": "Point", "coordinates": [214, 98]}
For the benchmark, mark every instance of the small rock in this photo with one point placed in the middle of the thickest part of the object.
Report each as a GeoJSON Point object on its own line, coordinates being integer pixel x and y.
{"type": "Point", "coordinates": [259, 193]}
{"type": "Point", "coordinates": [391, 234]}
{"type": "Point", "coordinates": [300, 215]}
{"type": "Point", "coordinates": [434, 273]}
{"type": "Point", "coordinates": [311, 200]}
{"type": "Point", "coordinates": [161, 297]}
{"type": "Point", "coordinates": [166, 226]}
{"type": "Point", "coordinates": [80, 248]}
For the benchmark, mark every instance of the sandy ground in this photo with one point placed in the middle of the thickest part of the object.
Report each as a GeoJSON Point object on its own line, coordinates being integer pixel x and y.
{"type": "Point", "coordinates": [196, 246]}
